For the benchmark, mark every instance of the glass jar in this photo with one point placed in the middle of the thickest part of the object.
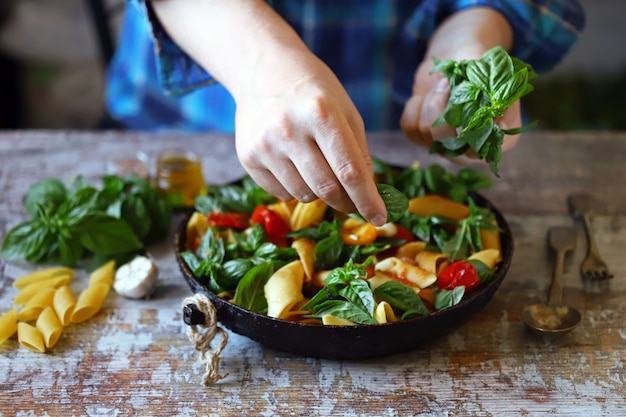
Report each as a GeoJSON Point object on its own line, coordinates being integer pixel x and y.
{"type": "Point", "coordinates": [179, 176]}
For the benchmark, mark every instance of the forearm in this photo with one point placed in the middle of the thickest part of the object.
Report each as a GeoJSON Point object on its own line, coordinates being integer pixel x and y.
{"type": "Point", "coordinates": [477, 27]}
{"type": "Point", "coordinates": [235, 41]}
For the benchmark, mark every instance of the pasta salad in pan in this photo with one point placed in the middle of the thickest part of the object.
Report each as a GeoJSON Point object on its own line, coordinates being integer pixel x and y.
{"type": "Point", "coordinates": [308, 263]}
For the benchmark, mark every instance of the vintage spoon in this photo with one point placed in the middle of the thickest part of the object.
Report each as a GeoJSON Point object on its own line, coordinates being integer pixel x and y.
{"type": "Point", "coordinates": [555, 317]}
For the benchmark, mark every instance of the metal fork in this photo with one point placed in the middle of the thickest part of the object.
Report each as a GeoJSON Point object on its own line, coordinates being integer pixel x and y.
{"type": "Point", "coordinates": [593, 268]}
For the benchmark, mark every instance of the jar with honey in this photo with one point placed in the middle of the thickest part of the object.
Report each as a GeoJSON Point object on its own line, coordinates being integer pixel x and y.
{"type": "Point", "coordinates": [179, 176]}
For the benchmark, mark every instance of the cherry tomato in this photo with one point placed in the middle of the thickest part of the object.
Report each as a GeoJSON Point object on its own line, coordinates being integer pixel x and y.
{"type": "Point", "coordinates": [358, 233]}
{"type": "Point", "coordinates": [459, 273]}
{"type": "Point", "coordinates": [275, 226]}
{"type": "Point", "coordinates": [402, 233]}
{"type": "Point", "coordinates": [234, 220]}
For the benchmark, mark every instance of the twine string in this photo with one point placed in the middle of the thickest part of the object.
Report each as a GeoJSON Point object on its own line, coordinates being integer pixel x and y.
{"type": "Point", "coordinates": [201, 335]}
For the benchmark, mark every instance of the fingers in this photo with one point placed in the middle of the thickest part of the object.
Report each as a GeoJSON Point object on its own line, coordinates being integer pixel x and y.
{"type": "Point", "coordinates": [422, 110]}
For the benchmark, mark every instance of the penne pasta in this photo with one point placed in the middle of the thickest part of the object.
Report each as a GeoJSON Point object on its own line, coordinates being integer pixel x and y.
{"type": "Point", "coordinates": [42, 274]}
{"type": "Point", "coordinates": [27, 292]}
{"type": "Point", "coordinates": [63, 303]}
{"type": "Point", "coordinates": [438, 205]}
{"type": "Point", "coordinates": [380, 278]}
{"type": "Point", "coordinates": [103, 275]}
{"type": "Point", "coordinates": [489, 257]}
{"type": "Point", "coordinates": [410, 249]}
{"type": "Point", "coordinates": [307, 214]}
{"type": "Point", "coordinates": [284, 289]}
{"type": "Point", "coordinates": [329, 320]}
{"type": "Point", "coordinates": [406, 273]}
{"type": "Point", "coordinates": [196, 227]}
{"type": "Point", "coordinates": [49, 326]}
{"type": "Point", "coordinates": [30, 337]}
{"type": "Point", "coordinates": [8, 325]}
{"type": "Point", "coordinates": [433, 262]}
{"type": "Point", "coordinates": [306, 252]}
{"type": "Point", "coordinates": [491, 238]}
{"type": "Point", "coordinates": [36, 305]}
{"type": "Point", "coordinates": [384, 313]}
{"type": "Point", "coordinates": [89, 302]}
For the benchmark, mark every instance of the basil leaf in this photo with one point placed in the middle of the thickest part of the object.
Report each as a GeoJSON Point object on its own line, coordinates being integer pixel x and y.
{"type": "Point", "coordinates": [401, 297]}
{"type": "Point", "coordinates": [250, 290]}
{"type": "Point", "coordinates": [358, 292]}
{"type": "Point", "coordinates": [106, 235]}
{"type": "Point", "coordinates": [395, 202]}
{"type": "Point", "coordinates": [448, 298]}
{"type": "Point", "coordinates": [49, 193]}
{"type": "Point", "coordinates": [343, 310]}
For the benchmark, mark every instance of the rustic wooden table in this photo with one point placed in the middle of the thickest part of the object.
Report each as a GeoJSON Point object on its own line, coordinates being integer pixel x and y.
{"type": "Point", "coordinates": [134, 358]}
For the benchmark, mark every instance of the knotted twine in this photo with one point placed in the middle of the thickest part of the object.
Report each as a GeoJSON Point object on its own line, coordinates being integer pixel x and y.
{"type": "Point", "coordinates": [210, 358]}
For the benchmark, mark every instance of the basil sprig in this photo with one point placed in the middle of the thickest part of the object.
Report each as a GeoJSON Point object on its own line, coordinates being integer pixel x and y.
{"type": "Point", "coordinates": [481, 90]}
{"type": "Point", "coordinates": [71, 223]}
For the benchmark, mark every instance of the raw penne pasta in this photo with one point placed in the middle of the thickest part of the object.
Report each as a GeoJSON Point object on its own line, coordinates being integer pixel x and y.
{"type": "Point", "coordinates": [438, 205]}
{"type": "Point", "coordinates": [36, 304]}
{"type": "Point", "coordinates": [489, 257]}
{"type": "Point", "coordinates": [30, 290]}
{"type": "Point", "coordinates": [49, 326]}
{"type": "Point", "coordinates": [37, 276]}
{"type": "Point", "coordinates": [30, 337]}
{"type": "Point", "coordinates": [8, 325]}
{"type": "Point", "coordinates": [89, 302]}
{"type": "Point", "coordinates": [433, 262]}
{"type": "Point", "coordinates": [63, 303]}
{"type": "Point", "coordinates": [284, 289]}
{"type": "Point", "coordinates": [103, 275]}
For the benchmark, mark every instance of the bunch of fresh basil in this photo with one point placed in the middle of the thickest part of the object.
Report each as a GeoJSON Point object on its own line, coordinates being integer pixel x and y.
{"type": "Point", "coordinates": [71, 223]}
{"type": "Point", "coordinates": [481, 90]}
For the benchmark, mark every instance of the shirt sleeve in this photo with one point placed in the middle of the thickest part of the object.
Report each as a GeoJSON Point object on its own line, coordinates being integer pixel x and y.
{"type": "Point", "coordinates": [544, 30]}
{"type": "Point", "coordinates": [178, 73]}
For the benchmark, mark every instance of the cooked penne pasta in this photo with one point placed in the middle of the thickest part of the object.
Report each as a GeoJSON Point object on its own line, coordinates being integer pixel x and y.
{"type": "Point", "coordinates": [329, 320]}
{"type": "Point", "coordinates": [42, 274]}
{"type": "Point", "coordinates": [89, 302]}
{"type": "Point", "coordinates": [63, 303]}
{"type": "Point", "coordinates": [489, 257]}
{"type": "Point", "coordinates": [410, 249]}
{"type": "Point", "coordinates": [384, 313]}
{"type": "Point", "coordinates": [103, 275]}
{"type": "Point", "coordinates": [49, 326]}
{"type": "Point", "coordinates": [306, 252]}
{"type": "Point", "coordinates": [307, 214]}
{"type": "Point", "coordinates": [380, 278]}
{"type": "Point", "coordinates": [36, 304]}
{"type": "Point", "coordinates": [284, 289]}
{"type": "Point", "coordinates": [30, 290]}
{"type": "Point", "coordinates": [433, 262]}
{"type": "Point", "coordinates": [196, 227]}
{"type": "Point", "coordinates": [8, 325]}
{"type": "Point", "coordinates": [491, 238]}
{"type": "Point", "coordinates": [30, 337]}
{"type": "Point", "coordinates": [406, 273]}
{"type": "Point", "coordinates": [438, 205]}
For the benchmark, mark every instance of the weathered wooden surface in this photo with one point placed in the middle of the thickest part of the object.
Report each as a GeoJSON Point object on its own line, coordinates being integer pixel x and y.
{"type": "Point", "coordinates": [134, 358]}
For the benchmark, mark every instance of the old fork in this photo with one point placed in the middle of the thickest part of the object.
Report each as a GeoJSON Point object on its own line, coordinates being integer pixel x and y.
{"type": "Point", "coordinates": [593, 267]}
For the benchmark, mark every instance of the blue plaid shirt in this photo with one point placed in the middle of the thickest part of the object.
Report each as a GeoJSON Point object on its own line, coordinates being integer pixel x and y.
{"type": "Point", "coordinates": [373, 46]}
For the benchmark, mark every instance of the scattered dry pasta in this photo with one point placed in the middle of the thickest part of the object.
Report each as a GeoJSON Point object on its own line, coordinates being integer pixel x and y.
{"type": "Point", "coordinates": [48, 305]}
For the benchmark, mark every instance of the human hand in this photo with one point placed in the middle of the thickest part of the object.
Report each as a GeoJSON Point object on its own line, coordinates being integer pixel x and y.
{"type": "Point", "coordinates": [430, 97]}
{"type": "Point", "coordinates": [465, 35]}
{"type": "Point", "coordinates": [299, 135]}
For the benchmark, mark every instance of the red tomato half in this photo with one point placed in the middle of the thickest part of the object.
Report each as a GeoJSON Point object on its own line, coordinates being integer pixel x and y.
{"type": "Point", "coordinates": [459, 273]}
{"type": "Point", "coordinates": [274, 225]}
{"type": "Point", "coordinates": [234, 220]}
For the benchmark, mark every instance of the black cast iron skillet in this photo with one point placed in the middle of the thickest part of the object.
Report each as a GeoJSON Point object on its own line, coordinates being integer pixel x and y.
{"type": "Point", "coordinates": [350, 342]}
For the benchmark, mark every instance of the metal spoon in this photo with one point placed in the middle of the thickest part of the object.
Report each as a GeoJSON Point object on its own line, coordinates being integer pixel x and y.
{"type": "Point", "coordinates": [555, 317]}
